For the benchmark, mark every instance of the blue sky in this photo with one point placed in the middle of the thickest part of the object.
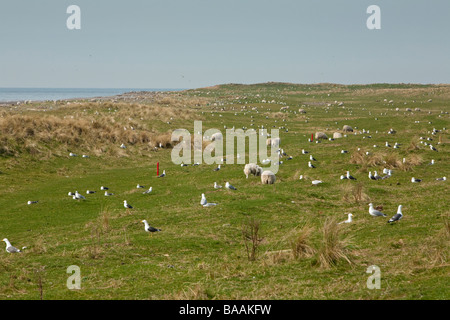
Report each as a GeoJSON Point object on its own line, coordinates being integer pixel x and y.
{"type": "Point", "coordinates": [196, 43]}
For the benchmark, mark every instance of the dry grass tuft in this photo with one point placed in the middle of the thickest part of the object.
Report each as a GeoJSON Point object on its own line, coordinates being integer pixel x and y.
{"type": "Point", "coordinates": [334, 247]}
{"type": "Point", "coordinates": [301, 245]}
{"type": "Point", "coordinates": [355, 193]}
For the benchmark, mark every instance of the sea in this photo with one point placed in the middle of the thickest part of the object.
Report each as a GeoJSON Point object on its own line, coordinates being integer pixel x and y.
{"type": "Point", "coordinates": [42, 94]}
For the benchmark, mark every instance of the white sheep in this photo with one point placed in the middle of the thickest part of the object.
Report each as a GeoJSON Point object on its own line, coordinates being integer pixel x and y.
{"type": "Point", "coordinates": [252, 168]}
{"type": "Point", "coordinates": [268, 177]}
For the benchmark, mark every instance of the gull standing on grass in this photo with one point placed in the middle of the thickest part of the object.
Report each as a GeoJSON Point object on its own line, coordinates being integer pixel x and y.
{"type": "Point", "coordinates": [310, 165]}
{"type": "Point", "coordinates": [32, 202]}
{"type": "Point", "coordinates": [349, 176]}
{"type": "Point", "coordinates": [79, 196]}
{"type": "Point", "coordinates": [229, 186]}
{"type": "Point", "coordinates": [203, 200]}
{"type": "Point", "coordinates": [397, 216]}
{"type": "Point", "coordinates": [10, 248]}
{"type": "Point", "coordinates": [375, 213]}
{"type": "Point", "coordinates": [149, 229]}
{"type": "Point", "coordinates": [349, 219]}
{"type": "Point", "coordinates": [163, 174]}
{"type": "Point", "coordinates": [216, 186]}
{"type": "Point", "coordinates": [148, 191]}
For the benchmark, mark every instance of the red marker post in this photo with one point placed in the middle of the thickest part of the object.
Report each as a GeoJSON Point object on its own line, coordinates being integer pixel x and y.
{"type": "Point", "coordinates": [312, 137]}
{"type": "Point", "coordinates": [157, 168]}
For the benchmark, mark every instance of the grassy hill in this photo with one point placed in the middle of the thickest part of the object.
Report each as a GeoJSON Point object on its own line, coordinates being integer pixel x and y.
{"type": "Point", "coordinates": [201, 252]}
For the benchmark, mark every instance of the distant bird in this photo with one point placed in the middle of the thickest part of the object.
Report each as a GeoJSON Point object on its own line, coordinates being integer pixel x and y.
{"type": "Point", "coordinates": [349, 176]}
{"type": "Point", "coordinates": [183, 165]}
{"type": "Point", "coordinates": [377, 176]}
{"type": "Point", "coordinates": [216, 186]}
{"type": "Point", "coordinates": [433, 148]}
{"type": "Point", "coordinates": [163, 174]}
{"type": "Point", "coordinates": [371, 176]}
{"type": "Point", "coordinates": [123, 146]}
{"type": "Point", "coordinates": [139, 186]}
{"type": "Point", "coordinates": [149, 229]}
{"type": "Point", "coordinates": [196, 164]}
{"type": "Point", "coordinates": [310, 165]}
{"type": "Point", "coordinates": [79, 196]}
{"type": "Point", "coordinates": [388, 174]}
{"type": "Point", "coordinates": [388, 145]}
{"type": "Point", "coordinates": [72, 154]}
{"type": "Point", "coordinates": [316, 182]}
{"type": "Point", "coordinates": [304, 151]}
{"type": "Point", "coordinates": [349, 219]}
{"type": "Point", "coordinates": [89, 192]}
{"type": "Point", "coordinates": [432, 162]}
{"type": "Point", "coordinates": [71, 194]}
{"type": "Point", "coordinates": [209, 204]}
{"type": "Point", "coordinates": [441, 179]}
{"type": "Point", "coordinates": [414, 180]}
{"type": "Point", "coordinates": [126, 205]}
{"type": "Point", "coordinates": [374, 212]}
{"type": "Point", "coordinates": [104, 188]}
{"type": "Point", "coordinates": [397, 216]}
{"type": "Point", "coordinates": [344, 151]}
{"type": "Point", "coordinates": [203, 200]}
{"type": "Point", "coordinates": [10, 248]}
{"type": "Point", "coordinates": [301, 177]}
{"type": "Point", "coordinates": [229, 186]}
{"type": "Point", "coordinates": [85, 156]}
{"type": "Point", "coordinates": [312, 158]}
{"type": "Point", "coordinates": [148, 191]}
{"type": "Point", "coordinates": [218, 168]}
{"type": "Point", "coordinates": [343, 177]}
{"type": "Point", "coordinates": [107, 194]}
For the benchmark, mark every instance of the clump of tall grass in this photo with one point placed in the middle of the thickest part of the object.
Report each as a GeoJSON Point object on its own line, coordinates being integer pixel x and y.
{"type": "Point", "coordinates": [252, 239]}
{"type": "Point", "coordinates": [301, 246]}
{"type": "Point", "coordinates": [355, 193]}
{"type": "Point", "coordinates": [334, 247]}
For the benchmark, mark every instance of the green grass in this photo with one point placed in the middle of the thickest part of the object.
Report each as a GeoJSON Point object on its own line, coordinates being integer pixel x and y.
{"type": "Point", "coordinates": [200, 253]}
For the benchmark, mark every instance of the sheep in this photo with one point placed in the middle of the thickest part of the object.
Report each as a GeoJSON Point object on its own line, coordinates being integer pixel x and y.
{"type": "Point", "coordinates": [276, 142]}
{"type": "Point", "coordinates": [321, 135]}
{"type": "Point", "coordinates": [268, 177]}
{"type": "Point", "coordinates": [253, 169]}
{"type": "Point", "coordinates": [347, 128]}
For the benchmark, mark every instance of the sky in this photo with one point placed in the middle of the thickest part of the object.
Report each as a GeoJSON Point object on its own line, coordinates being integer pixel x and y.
{"type": "Point", "coordinates": [198, 43]}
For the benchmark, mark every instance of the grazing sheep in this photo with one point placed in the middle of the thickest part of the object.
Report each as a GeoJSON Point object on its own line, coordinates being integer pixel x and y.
{"type": "Point", "coordinates": [337, 135]}
{"type": "Point", "coordinates": [321, 135]}
{"type": "Point", "coordinates": [301, 111]}
{"type": "Point", "coordinates": [268, 177]}
{"type": "Point", "coordinates": [347, 128]}
{"type": "Point", "coordinates": [276, 142]}
{"type": "Point", "coordinates": [252, 168]}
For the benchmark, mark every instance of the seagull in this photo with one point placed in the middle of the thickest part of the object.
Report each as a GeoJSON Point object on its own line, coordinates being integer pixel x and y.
{"type": "Point", "coordinates": [432, 162]}
{"type": "Point", "coordinates": [388, 175]}
{"type": "Point", "coordinates": [312, 158]}
{"type": "Point", "coordinates": [148, 228]}
{"type": "Point", "coordinates": [433, 148]}
{"type": "Point", "coordinates": [388, 145]}
{"type": "Point", "coordinates": [72, 154]}
{"type": "Point", "coordinates": [414, 180]}
{"type": "Point", "coordinates": [163, 174]}
{"type": "Point", "coordinates": [349, 176]}
{"type": "Point", "coordinates": [79, 196]}
{"type": "Point", "coordinates": [348, 220]}
{"type": "Point", "coordinates": [107, 194]}
{"type": "Point", "coordinates": [216, 186]}
{"type": "Point", "coordinates": [217, 169]}
{"type": "Point", "coordinates": [203, 200]}
{"type": "Point", "coordinates": [301, 177]}
{"type": "Point", "coordinates": [376, 176]}
{"type": "Point", "coordinates": [344, 151]}
{"type": "Point", "coordinates": [32, 202]}
{"type": "Point", "coordinates": [148, 191]}
{"type": "Point", "coordinates": [316, 182]}
{"type": "Point", "coordinates": [139, 186]}
{"type": "Point", "coordinates": [371, 176]}
{"type": "Point", "coordinates": [343, 177]}
{"type": "Point", "coordinates": [310, 165]}
{"type": "Point", "coordinates": [196, 164]}
{"type": "Point", "coordinates": [441, 179]}
{"type": "Point", "coordinates": [229, 186]}
{"type": "Point", "coordinates": [183, 165]}
{"type": "Point", "coordinates": [374, 212]}
{"type": "Point", "coordinates": [10, 248]}
{"type": "Point", "coordinates": [304, 151]}
{"type": "Point", "coordinates": [104, 188]}
{"type": "Point", "coordinates": [126, 205]}
{"type": "Point", "coordinates": [85, 156]}
{"type": "Point", "coordinates": [123, 146]}
{"type": "Point", "coordinates": [89, 191]}
{"type": "Point", "coordinates": [71, 194]}
{"type": "Point", "coordinates": [397, 216]}
{"type": "Point", "coordinates": [209, 204]}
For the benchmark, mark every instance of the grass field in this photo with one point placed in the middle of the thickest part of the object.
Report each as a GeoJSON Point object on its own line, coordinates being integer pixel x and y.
{"type": "Point", "coordinates": [201, 252]}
